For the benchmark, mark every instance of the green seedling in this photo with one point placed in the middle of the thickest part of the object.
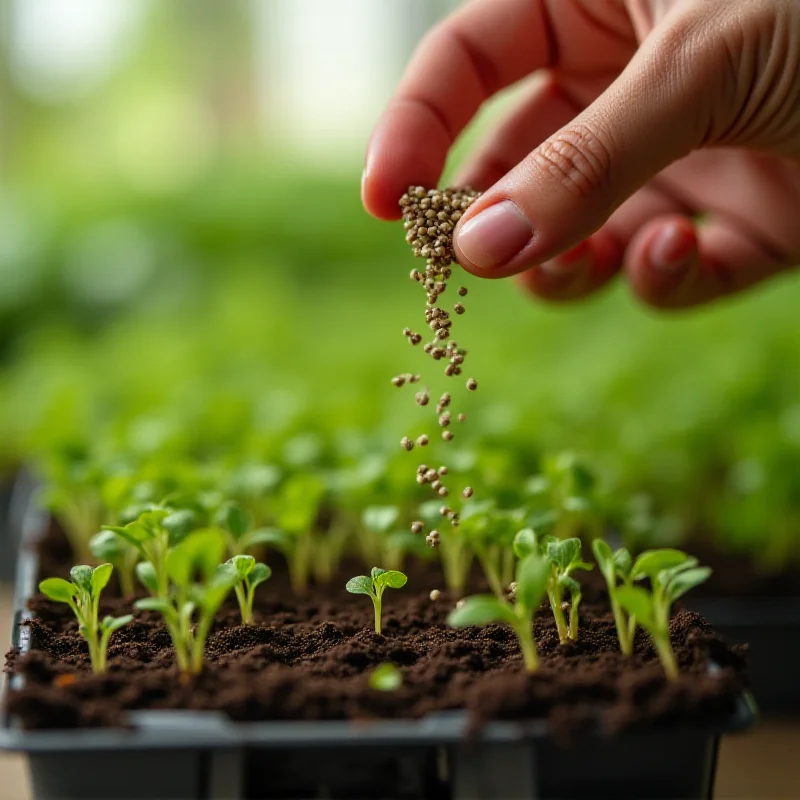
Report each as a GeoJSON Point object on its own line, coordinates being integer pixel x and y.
{"type": "Point", "coordinates": [671, 574]}
{"type": "Point", "coordinates": [189, 605]}
{"type": "Point", "coordinates": [385, 678]}
{"type": "Point", "coordinates": [250, 575]}
{"type": "Point", "coordinates": [565, 558]}
{"type": "Point", "coordinates": [616, 566]}
{"type": "Point", "coordinates": [109, 547]}
{"type": "Point", "coordinates": [532, 576]}
{"type": "Point", "coordinates": [240, 535]}
{"type": "Point", "coordinates": [82, 595]}
{"type": "Point", "coordinates": [374, 585]}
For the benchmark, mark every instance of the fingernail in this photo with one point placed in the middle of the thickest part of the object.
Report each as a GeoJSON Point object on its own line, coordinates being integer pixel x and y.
{"type": "Point", "coordinates": [495, 235]}
{"type": "Point", "coordinates": [570, 263]}
{"type": "Point", "coordinates": [671, 248]}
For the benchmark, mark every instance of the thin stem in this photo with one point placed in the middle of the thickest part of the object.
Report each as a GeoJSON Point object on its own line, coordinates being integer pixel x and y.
{"type": "Point", "coordinates": [243, 606]}
{"type": "Point", "coordinates": [558, 615]}
{"type": "Point", "coordinates": [623, 632]}
{"type": "Point", "coordinates": [199, 644]}
{"type": "Point", "coordinates": [491, 572]}
{"type": "Point", "coordinates": [666, 656]}
{"type": "Point", "coordinates": [527, 645]}
{"type": "Point", "coordinates": [376, 601]}
{"type": "Point", "coordinates": [574, 618]}
{"type": "Point", "coordinates": [456, 559]}
{"type": "Point", "coordinates": [102, 653]}
{"type": "Point", "coordinates": [251, 593]}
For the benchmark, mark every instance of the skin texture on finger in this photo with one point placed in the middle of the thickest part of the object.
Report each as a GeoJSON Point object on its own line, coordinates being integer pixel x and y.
{"type": "Point", "coordinates": [719, 260]}
{"type": "Point", "coordinates": [485, 46]}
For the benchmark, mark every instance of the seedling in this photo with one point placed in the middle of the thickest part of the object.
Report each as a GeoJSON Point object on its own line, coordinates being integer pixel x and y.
{"type": "Point", "coordinates": [385, 678]}
{"type": "Point", "coordinates": [532, 576]}
{"type": "Point", "coordinates": [185, 599]}
{"type": "Point", "coordinates": [109, 547]}
{"type": "Point", "coordinates": [672, 574]}
{"type": "Point", "coordinates": [565, 558]}
{"type": "Point", "coordinates": [617, 566]}
{"type": "Point", "coordinates": [240, 535]}
{"type": "Point", "coordinates": [374, 585]}
{"type": "Point", "coordinates": [82, 595]}
{"type": "Point", "coordinates": [250, 575]}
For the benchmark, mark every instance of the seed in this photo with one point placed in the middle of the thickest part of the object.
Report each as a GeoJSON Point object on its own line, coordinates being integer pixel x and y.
{"type": "Point", "coordinates": [406, 331]}
{"type": "Point", "coordinates": [432, 539]}
{"type": "Point", "coordinates": [443, 492]}
{"type": "Point", "coordinates": [435, 485]}
{"type": "Point", "coordinates": [422, 468]}
{"type": "Point", "coordinates": [454, 519]}
{"type": "Point", "coordinates": [431, 475]}
{"type": "Point", "coordinates": [456, 370]}
{"type": "Point", "coordinates": [450, 370]}
{"type": "Point", "coordinates": [462, 291]}
{"type": "Point", "coordinates": [442, 470]}
{"type": "Point", "coordinates": [446, 435]}
{"type": "Point", "coordinates": [442, 333]}
{"type": "Point", "coordinates": [417, 526]}
{"type": "Point", "coordinates": [422, 398]}
{"type": "Point", "coordinates": [462, 417]}
{"type": "Point", "coordinates": [415, 275]}
{"type": "Point", "coordinates": [406, 443]}
{"type": "Point", "coordinates": [445, 511]}
{"type": "Point", "coordinates": [444, 419]}
{"type": "Point", "coordinates": [444, 400]}
{"type": "Point", "coordinates": [459, 308]}
{"type": "Point", "coordinates": [422, 440]}
{"type": "Point", "coordinates": [467, 492]}
{"type": "Point", "coordinates": [472, 384]}
{"type": "Point", "coordinates": [435, 595]}
{"type": "Point", "coordinates": [398, 380]}
{"type": "Point", "coordinates": [415, 338]}
{"type": "Point", "coordinates": [412, 378]}
{"type": "Point", "coordinates": [427, 347]}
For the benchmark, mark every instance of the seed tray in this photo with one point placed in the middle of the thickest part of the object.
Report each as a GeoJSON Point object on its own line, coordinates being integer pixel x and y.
{"type": "Point", "coordinates": [189, 755]}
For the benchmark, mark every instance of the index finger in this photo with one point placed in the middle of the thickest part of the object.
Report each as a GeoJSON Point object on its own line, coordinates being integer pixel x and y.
{"type": "Point", "coordinates": [483, 47]}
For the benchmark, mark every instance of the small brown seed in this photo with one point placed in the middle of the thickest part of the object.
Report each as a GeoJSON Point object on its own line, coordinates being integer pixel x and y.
{"type": "Point", "coordinates": [443, 492]}
{"type": "Point", "coordinates": [444, 419]}
{"type": "Point", "coordinates": [406, 443]}
{"type": "Point", "coordinates": [462, 291]}
{"type": "Point", "coordinates": [462, 417]}
{"type": "Point", "coordinates": [445, 510]}
{"type": "Point", "coordinates": [444, 400]}
{"type": "Point", "coordinates": [459, 308]}
{"type": "Point", "coordinates": [431, 475]}
{"type": "Point", "coordinates": [435, 485]}
{"type": "Point", "coordinates": [446, 435]}
{"type": "Point", "coordinates": [467, 492]}
{"type": "Point", "coordinates": [422, 398]}
{"type": "Point", "coordinates": [422, 440]}
{"type": "Point", "coordinates": [412, 378]}
{"type": "Point", "coordinates": [417, 526]}
{"type": "Point", "coordinates": [406, 331]}
{"type": "Point", "coordinates": [398, 380]}
{"type": "Point", "coordinates": [472, 384]}
{"type": "Point", "coordinates": [435, 595]}
{"type": "Point", "coordinates": [415, 338]}
{"type": "Point", "coordinates": [442, 470]}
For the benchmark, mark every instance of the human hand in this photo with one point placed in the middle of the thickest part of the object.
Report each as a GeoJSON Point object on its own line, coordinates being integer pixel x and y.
{"type": "Point", "coordinates": [648, 114]}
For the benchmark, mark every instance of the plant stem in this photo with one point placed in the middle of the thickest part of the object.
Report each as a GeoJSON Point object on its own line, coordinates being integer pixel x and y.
{"type": "Point", "coordinates": [574, 618]}
{"type": "Point", "coordinates": [527, 645]}
{"type": "Point", "coordinates": [491, 572]}
{"type": "Point", "coordinates": [244, 609]}
{"type": "Point", "coordinates": [376, 601]}
{"type": "Point", "coordinates": [199, 643]}
{"type": "Point", "coordinates": [623, 631]}
{"type": "Point", "coordinates": [456, 560]}
{"type": "Point", "coordinates": [666, 656]}
{"type": "Point", "coordinates": [558, 615]}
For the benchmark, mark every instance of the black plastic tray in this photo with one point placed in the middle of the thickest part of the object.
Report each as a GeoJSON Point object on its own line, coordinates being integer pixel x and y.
{"type": "Point", "coordinates": [205, 756]}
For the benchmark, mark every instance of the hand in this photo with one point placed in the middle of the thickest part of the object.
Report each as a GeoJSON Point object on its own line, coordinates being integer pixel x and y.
{"type": "Point", "coordinates": [645, 115]}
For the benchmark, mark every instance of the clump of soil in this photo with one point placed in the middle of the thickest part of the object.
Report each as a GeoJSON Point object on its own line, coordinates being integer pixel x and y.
{"type": "Point", "coordinates": [310, 659]}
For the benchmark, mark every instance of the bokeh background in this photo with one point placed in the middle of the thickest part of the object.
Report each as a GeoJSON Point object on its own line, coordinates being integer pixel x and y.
{"type": "Point", "coordinates": [185, 266]}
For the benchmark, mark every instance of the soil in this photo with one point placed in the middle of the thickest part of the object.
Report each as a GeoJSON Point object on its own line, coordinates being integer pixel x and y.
{"type": "Point", "coordinates": [310, 659]}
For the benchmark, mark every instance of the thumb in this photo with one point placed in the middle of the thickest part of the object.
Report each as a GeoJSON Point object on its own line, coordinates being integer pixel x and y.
{"type": "Point", "coordinates": [658, 110]}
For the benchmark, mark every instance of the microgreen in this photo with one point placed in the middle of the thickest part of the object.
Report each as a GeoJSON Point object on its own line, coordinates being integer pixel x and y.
{"type": "Point", "coordinates": [385, 678]}
{"type": "Point", "coordinates": [251, 575]}
{"type": "Point", "coordinates": [671, 573]}
{"type": "Point", "coordinates": [82, 595]}
{"type": "Point", "coordinates": [532, 576]}
{"type": "Point", "coordinates": [616, 566]}
{"type": "Point", "coordinates": [374, 585]}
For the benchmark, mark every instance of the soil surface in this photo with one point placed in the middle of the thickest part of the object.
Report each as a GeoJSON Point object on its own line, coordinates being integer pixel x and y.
{"type": "Point", "coordinates": [310, 659]}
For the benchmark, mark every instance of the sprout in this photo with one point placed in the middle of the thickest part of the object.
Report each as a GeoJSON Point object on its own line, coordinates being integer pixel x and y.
{"type": "Point", "coordinates": [374, 586]}
{"type": "Point", "coordinates": [532, 576]}
{"type": "Point", "coordinates": [385, 678]}
{"type": "Point", "coordinates": [250, 575]}
{"type": "Point", "coordinates": [672, 573]}
{"type": "Point", "coordinates": [82, 595]}
{"type": "Point", "coordinates": [240, 535]}
{"type": "Point", "coordinates": [616, 566]}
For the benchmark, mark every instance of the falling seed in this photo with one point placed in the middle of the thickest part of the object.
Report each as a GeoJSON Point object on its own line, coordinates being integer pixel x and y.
{"type": "Point", "coordinates": [444, 419]}
{"type": "Point", "coordinates": [446, 435]}
{"type": "Point", "coordinates": [422, 398]}
{"type": "Point", "coordinates": [406, 443]}
{"type": "Point", "coordinates": [413, 378]}
{"type": "Point", "coordinates": [422, 440]}
{"type": "Point", "coordinates": [398, 381]}
{"type": "Point", "coordinates": [406, 331]}
{"type": "Point", "coordinates": [417, 526]}
{"type": "Point", "coordinates": [472, 384]}
{"type": "Point", "coordinates": [442, 470]}
{"type": "Point", "coordinates": [443, 491]}
{"type": "Point", "coordinates": [462, 417]}
{"type": "Point", "coordinates": [431, 475]}
{"type": "Point", "coordinates": [435, 595]}
{"type": "Point", "coordinates": [415, 338]}
{"type": "Point", "coordinates": [445, 510]}
{"type": "Point", "coordinates": [459, 308]}
{"type": "Point", "coordinates": [444, 400]}
{"type": "Point", "coordinates": [462, 291]}
{"type": "Point", "coordinates": [467, 492]}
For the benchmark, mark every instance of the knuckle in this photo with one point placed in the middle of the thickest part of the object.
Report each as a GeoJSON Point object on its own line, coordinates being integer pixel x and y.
{"type": "Point", "coordinates": [578, 158]}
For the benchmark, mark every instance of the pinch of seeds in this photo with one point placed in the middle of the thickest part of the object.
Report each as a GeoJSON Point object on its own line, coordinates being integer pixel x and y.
{"type": "Point", "coordinates": [406, 443]}
{"type": "Point", "coordinates": [472, 384]}
{"type": "Point", "coordinates": [432, 539]}
{"type": "Point", "coordinates": [435, 595]}
{"type": "Point", "coordinates": [422, 440]}
{"type": "Point", "coordinates": [467, 492]}
{"type": "Point", "coordinates": [417, 526]}
{"type": "Point", "coordinates": [446, 435]}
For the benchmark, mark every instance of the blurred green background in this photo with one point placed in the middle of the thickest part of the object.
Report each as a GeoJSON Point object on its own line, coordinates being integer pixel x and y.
{"type": "Point", "coordinates": [185, 266]}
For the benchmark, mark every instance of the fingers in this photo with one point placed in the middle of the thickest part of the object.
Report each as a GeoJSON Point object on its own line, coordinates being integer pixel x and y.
{"type": "Point", "coordinates": [484, 47]}
{"type": "Point", "coordinates": [569, 185]}
{"type": "Point", "coordinates": [672, 264]}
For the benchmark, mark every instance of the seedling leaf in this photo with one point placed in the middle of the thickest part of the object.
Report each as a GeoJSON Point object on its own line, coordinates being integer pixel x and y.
{"type": "Point", "coordinates": [533, 572]}
{"type": "Point", "coordinates": [361, 584]}
{"type": "Point", "coordinates": [270, 536]}
{"type": "Point", "coordinates": [481, 609]}
{"type": "Point", "coordinates": [260, 573]}
{"type": "Point", "coordinates": [146, 574]}
{"type": "Point", "coordinates": [525, 543]}
{"type": "Point", "coordinates": [686, 580]}
{"type": "Point", "coordinates": [100, 577]}
{"type": "Point", "coordinates": [393, 579]}
{"type": "Point", "coordinates": [651, 562]}
{"type": "Point", "coordinates": [243, 565]}
{"type": "Point", "coordinates": [115, 623]}
{"type": "Point", "coordinates": [81, 576]}
{"type": "Point", "coordinates": [234, 519]}
{"type": "Point", "coordinates": [638, 603]}
{"type": "Point", "coordinates": [58, 589]}
{"type": "Point", "coordinates": [105, 546]}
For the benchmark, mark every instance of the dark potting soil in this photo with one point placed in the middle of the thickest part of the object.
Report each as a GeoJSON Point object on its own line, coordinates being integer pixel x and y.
{"type": "Point", "coordinates": [310, 659]}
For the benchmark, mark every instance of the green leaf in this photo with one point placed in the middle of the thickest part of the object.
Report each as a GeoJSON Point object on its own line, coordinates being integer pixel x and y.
{"type": "Point", "coordinates": [376, 573]}
{"type": "Point", "coordinates": [156, 604]}
{"type": "Point", "coordinates": [361, 584]}
{"type": "Point", "coordinates": [638, 602]}
{"type": "Point", "coordinates": [685, 581]}
{"type": "Point", "coordinates": [234, 519]}
{"type": "Point", "coordinates": [623, 562]}
{"type": "Point", "coordinates": [273, 537]}
{"type": "Point", "coordinates": [533, 573]}
{"type": "Point", "coordinates": [81, 576]}
{"type": "Point", "coordinates": [146, 573]}
{"type": "Point", "coordinates": [525, 543]}
{"type": "Point", "coordinates": [481, 609]}
{"type": "Point", "coordinates": [243, 565]}
{"type": "Point", "coordinates": [385, 678]}
{"type": "Point", "coordinates": [107, 546]}
{"type": "Point", "coordinates": [179, 525]}
{"type": "Point", "coordinates": [101, 575]}
{"type": "Point", "coordinates": [393, 579]}
{"type": "Point", "coordinates": [380, 519]}
{"type": "Point", "coordinates": [651, 562]}
{"type": "Point", "coordinates": [58, 589]}
{"type": "Point", "coordinates": [198, 554]}
{"type": "Point", "coordinates": [604, 556]}
{"type": "Point", "coordinates": [564, 553]}
{"type": "Point", "coordinates": [115, 623]}
{"type": "Point", "coordinates": [260, 573]}
{"type": "Point", "coordinates": [571, 585]}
